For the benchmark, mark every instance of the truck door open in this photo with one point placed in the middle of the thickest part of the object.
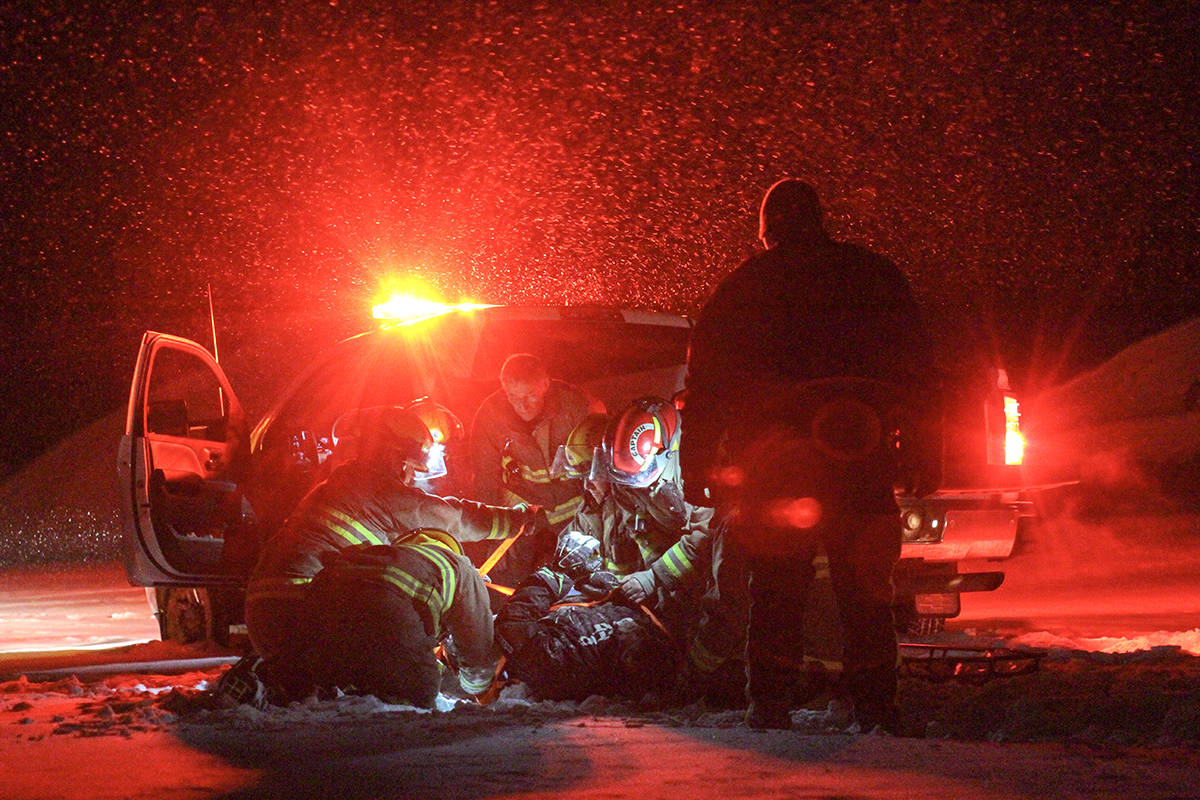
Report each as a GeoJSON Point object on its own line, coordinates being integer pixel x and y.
{"type": "Point", "coordinates": [180, 463]}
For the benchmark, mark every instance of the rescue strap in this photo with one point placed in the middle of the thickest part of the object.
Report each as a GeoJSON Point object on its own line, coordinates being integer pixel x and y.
{"type": "Point", "coordinates": [498, 553]}
{"type": "Point", "coordinates": [493, 559]}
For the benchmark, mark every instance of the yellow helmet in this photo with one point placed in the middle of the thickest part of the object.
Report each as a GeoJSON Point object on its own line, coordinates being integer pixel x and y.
{"type": "Point", "coordinates": [574, 457]}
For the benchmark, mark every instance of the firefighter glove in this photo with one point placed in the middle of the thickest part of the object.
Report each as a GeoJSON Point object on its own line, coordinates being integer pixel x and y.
{"type": "Point", "coordinates": [539, 524]}
{"type": "Point", "coordinates": [639, 586]}
{"type": "Point", "coordinates": [599, 585]}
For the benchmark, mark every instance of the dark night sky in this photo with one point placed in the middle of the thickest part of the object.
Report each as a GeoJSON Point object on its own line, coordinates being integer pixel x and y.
{"type": "Point", "coordinates": [1031, 166]}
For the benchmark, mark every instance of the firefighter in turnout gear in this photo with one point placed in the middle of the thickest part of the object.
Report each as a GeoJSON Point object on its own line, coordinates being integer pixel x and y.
{"type": "Point", "coordinates": [662, 547]}
{"type": "Point", "coordinates": [567, 634]}
{"type": "Point", "coordinates": [376, 613]}
{"type": "Point", "coordinates": [368, 499]}
{"type": "Point", "coordinates": [514, 438]}
{"type": "Point", "coordinates": [801, 403]}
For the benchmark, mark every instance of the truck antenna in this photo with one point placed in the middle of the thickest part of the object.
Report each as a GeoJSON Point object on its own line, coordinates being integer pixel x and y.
{"type": "Point", "coordinates": [212, 320]}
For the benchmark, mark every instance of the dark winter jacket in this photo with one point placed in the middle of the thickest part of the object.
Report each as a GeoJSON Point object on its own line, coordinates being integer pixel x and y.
{"type": "Point", "coordinates": [572, 651]}
{"type": "Point", "coordinates": [793, 314]}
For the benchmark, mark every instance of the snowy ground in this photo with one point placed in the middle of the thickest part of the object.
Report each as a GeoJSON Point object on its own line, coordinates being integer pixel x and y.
{"type": "Point", "coordinates": [1084, 725]}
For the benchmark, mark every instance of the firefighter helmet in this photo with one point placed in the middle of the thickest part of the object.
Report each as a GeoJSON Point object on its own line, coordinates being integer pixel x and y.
{"type": "Point", "coordinates": [444, 425]}
{"type": "Point", "coordinates": [381, 431]}
{"type": "Point", "coordinates": [643, 442]}
{"type": "Point", "coordinates": [574, 457]}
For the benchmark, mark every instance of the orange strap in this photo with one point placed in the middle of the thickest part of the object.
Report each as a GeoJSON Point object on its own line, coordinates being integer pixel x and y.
{"type": "Point", "coordinates": [493, 559]}
{"type": "Point", "coordinates": [489, 695]}
{"type": "Point", "coordinates": [498, 554]}
{"type": "Point", "coordinates": [644, 608]}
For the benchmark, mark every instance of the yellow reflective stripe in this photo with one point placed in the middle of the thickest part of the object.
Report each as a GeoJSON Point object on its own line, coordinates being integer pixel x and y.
{"type": "Point", "coordinates": [502, 526]}
{"type": "Point", "coordinates": [418, 590]}
{"type": "Point", "coordinates": [526, 472]}
{"type": "Point", "coordinates": [363, 534]}
{"type": "Point", "coordinates": [676, 562]}
{"type": "Point", "coordinates": [277, 588]}
{"type": "Point", "coordinates": [440, 559]}
{"type": "Point", "coordinates": [564, 510]}
{"type": "Point", "coordinates": [472, 683]}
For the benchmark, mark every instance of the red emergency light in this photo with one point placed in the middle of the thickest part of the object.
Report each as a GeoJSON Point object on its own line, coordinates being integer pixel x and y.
{"type": "Point", "coordinates": [403, 309]}
{"type": "Point", "coordinates": [1014, 440]}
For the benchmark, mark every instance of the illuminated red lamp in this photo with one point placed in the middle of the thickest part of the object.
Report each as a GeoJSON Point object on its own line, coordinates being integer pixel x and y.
{"type": "Point", "coordinates": [1014, 440]}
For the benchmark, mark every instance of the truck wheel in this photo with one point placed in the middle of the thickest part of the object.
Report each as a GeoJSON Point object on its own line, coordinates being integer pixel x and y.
{"type": "Point", "coordinates": [185, 615]}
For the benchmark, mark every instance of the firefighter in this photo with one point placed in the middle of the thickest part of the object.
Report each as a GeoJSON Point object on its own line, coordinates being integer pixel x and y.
{"type": "Point", "coordinates": [368, 499]}
{"type": "Point", "coordinates": [514, 438]}
{"type": "Point", "coordinates": [802, 367]}
{"type": "Point", "coordinates": [567, 634]}
{"type": "Point", "coordinates": [375, 614]}
{"type": "Point", "coordinates": [662, 547]}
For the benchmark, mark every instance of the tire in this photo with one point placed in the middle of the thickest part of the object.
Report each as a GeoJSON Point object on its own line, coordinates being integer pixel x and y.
{"type": "Point", "coordinates": [185, 615]}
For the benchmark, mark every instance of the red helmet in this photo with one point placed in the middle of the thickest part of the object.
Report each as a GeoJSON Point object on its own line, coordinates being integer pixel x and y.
{"type": "Point", "coordinates": [643, 442]}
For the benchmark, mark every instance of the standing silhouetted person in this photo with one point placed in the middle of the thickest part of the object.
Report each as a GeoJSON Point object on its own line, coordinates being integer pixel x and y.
{"type": "Point", "coordinates": [800, 420]}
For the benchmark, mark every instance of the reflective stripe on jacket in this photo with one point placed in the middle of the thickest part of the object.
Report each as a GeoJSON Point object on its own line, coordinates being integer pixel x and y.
{"type": "Point", "coordinates": [638, 530]}
{"type": "Point", "coordinates": [360, 505]}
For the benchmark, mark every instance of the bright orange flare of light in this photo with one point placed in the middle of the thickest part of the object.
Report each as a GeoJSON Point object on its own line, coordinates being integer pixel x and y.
{"type": "Point", "coordinates": [409, 308]}
{"type": "Point", "coordinates": [798, 512]}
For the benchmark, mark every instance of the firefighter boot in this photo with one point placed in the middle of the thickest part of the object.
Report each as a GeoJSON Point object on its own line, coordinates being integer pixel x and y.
{"type": "Point", "coordinates": [875, 707]}
{"type": "Point", "coordinates": [770, 695]}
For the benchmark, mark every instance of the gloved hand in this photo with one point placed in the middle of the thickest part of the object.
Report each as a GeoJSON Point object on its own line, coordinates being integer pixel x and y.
{"type": "Point", "coordinates": [599, 585]}
{"type": "Point", "coordinates": [539, 524]}
{"type": "Point", "coordinates": [638, 586]}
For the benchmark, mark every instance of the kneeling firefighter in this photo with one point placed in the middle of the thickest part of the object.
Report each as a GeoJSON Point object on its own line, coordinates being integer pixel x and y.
{"type": "Point", "coordinates": [368, 499]}
{"type": "Point", "coordinates": [376, 613]}
{"type": "Point", "coordinates": [663, 548]}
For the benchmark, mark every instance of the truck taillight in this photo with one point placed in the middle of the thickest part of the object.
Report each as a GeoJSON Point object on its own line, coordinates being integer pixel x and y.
{"type": "Point", "coordinates": [1014, 440]}
{"type": "Point", "coordinates": [1002, 417]}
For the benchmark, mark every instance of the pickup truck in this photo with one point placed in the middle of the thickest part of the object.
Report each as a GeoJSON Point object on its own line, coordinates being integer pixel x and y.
{"type": "Point", "coordinates": [201, 486]}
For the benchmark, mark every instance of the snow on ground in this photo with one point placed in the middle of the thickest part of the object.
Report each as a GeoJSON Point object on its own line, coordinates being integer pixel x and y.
{"type": "Point", "coordinates": [1083, 725]}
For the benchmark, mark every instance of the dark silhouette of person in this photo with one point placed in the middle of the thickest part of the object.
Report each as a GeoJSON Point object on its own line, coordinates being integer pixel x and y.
{"type": "Point", "coordinates": [802, 415]}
